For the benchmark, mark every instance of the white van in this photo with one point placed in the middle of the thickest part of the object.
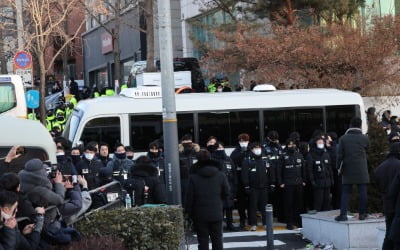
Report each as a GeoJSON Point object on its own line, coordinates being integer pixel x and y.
{"type": "Point", "coordinates": [12, 96]}
{"type": "Point", "coordinates": [136, 119]}
{"type": "Point", "coordinates": [32, 136]}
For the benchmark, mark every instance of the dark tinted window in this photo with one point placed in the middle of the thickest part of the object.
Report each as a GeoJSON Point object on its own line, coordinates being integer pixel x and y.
{"type": "Point", "coordinates": [185, 125]}
{"type": "Point", "coordinates": [18, 164]}
{"type": "Point", "coordinates": [244, 122]}
{"type": "Point", "coordinates": [304, 121]}
{"type": "Point", "coordinates": [214, 124]}
{"type": "Point", "coordinates": [226, 126]}
{"type": "Point", "coordinates": [338, 118]}
{"type": "Point", "coordinates": [145, 129]}
{"type": "Point", "coordinates": [105, 129]}
{"type": "Point", "coordinates": [280, 120]}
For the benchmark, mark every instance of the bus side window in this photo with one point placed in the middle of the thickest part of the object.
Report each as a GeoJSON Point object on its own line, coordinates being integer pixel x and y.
{"type": "Point", "coordinates": [185, 124]}
{"type": "Point", "coordinates": [280, 121]}
{"type": "Point", "coordinates": [214, 124]}
{"type": "Point", "coordinates": [29, 153]}
{"type": "Point", "coordinates": [243, 122]}
{"type": "Point", "coordinates": [8, 98]}
{"type": "Point", "coordinates": [105, 129]}
{"type": "Point", "coordinates": [338, 118]}
{"type": "Point", "coordinates": [307, 121]}
{"type": "Point", "coordinates": [144, 129]}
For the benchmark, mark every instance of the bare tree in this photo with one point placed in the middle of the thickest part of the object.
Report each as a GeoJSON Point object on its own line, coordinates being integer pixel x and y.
{"type": "Point", "coordinates": [43, 24]}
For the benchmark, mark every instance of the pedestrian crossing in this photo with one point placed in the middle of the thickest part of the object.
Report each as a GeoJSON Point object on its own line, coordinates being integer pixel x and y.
{"type": "Point", "coordinates": [248, 239]}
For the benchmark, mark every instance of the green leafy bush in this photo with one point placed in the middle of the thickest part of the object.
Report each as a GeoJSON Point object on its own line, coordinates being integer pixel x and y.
{"type": "Point", "coordinates": [140, 228]}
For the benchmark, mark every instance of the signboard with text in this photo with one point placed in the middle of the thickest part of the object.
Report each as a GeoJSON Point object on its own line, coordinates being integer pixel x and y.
{"type": "Point", "coordinates": [23, 66]}
{"type": "Point", "coordinates": [106, 43]}
{"type": "Point", "coordinates": [25, 74]}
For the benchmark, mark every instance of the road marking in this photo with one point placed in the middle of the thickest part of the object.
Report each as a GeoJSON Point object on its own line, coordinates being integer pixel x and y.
{"type": "Point", "coordinates": [242, 244]}
{"type": "Point", "coordinates": [240, 234]}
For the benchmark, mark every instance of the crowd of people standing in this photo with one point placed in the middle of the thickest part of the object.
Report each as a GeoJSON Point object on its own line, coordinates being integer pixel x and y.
{"type": "Point", "coordinates": [300, 175]}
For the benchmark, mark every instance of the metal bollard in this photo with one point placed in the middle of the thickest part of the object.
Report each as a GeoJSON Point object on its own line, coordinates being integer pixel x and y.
{"type": "Point", "coordinates": [269, 224]}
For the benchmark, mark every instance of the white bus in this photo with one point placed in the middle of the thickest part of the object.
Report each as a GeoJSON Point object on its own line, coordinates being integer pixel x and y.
{"type": "Point", "coordinates": [137, 121]}
{"type": "Point", "coordinates": [12, 96]}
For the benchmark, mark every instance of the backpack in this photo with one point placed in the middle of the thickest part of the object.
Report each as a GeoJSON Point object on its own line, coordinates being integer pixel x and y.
{"type": "Point", "coordinates": [138, 186]}
{"type": "Point", "coordinates": [99, 199]}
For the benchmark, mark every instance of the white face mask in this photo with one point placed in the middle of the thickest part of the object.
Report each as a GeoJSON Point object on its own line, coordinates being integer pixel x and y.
{"type": "Point", "coordinates": [60, 153]}
{"type": "Point", "coordinates": [5, 216]}
{"type": "Point", "coordinates": [89, 156]}
{"type": "Point", "coordinates": [243, 144]}
{"type": "Point", "coordinates": [257, 151]}
{"type": "Point", "coordinates": [320, 145]}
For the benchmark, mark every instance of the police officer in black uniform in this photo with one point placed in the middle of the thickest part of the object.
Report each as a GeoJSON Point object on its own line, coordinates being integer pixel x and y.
{"type": "Point", "coordinates": [158, 161]}
{"type": "Point", "coordinates": [273, 151]}
{"type": "Point", "coordinates": [291, 176]}
{"type": "Point", "coordinates": [89, 166]}
{"type": "Point", "coordinates": [320, 175]}
{"type": "Point", "coordinates": [258, 177]}
{"type": "Point", "coordinates": [187, 158]}
{"type": "Point", "coordinates": [229, 170]}
{"type": "Point", "coordinates": [239, 155]}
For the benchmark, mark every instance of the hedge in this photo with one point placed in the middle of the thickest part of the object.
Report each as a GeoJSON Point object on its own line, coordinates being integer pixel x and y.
{"type": "Point", "coordinates": [140, 228]}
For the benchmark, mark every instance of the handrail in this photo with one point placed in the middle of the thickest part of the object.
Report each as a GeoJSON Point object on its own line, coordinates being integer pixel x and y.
{"type": "Point", "coordinates": [104, 186]}
{"type": "Point", "coordinates": [119, 199]}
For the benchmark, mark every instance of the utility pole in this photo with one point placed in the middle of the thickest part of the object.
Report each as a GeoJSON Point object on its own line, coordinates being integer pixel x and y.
{"type": "Point", "coordinates": [20, 25]}
{"type": "Point", "coordinates": [168, 104]}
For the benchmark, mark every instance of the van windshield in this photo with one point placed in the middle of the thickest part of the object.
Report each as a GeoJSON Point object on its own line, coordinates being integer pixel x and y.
{"type": "Point", "coordinates": [72, 126]}
{"type": "Point", "coordinates": [8, 98]}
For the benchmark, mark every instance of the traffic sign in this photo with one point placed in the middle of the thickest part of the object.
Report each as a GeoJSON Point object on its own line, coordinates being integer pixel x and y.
{"type": "Point", "coordinates": [23, 60]}
{"type": "Point", "coordinates": [32, 99]}
{"type": "Point", "coordinates": [25, 74]}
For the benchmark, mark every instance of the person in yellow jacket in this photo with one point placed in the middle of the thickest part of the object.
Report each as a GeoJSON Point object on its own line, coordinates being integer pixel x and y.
{"type": "Point", "coordinates": [68, 110]}
{"type": "Point", "coordinates": [32, 116]}
{"type": "Point", "coordinates": [50, 119]}
{"type": "Point", "coordinates": [110, 92]}
{"type": "Point", "coordinates": [73, 100]}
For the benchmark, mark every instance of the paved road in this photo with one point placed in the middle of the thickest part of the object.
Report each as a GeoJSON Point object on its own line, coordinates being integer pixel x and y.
{"type": "Point", "coordinates": [283, 239]}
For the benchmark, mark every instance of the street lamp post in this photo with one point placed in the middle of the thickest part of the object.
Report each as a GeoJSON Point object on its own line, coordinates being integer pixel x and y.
{"type": "Point", "coordinates": [168, 104]}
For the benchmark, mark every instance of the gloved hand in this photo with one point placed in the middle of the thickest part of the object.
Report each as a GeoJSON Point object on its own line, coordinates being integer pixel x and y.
{"type": "Point", "coordinates": [272, 188]}
{"type": "Point", "coordinates": [247, 190]}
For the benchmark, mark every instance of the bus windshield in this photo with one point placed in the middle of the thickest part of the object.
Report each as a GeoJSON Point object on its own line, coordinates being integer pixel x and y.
{"type": "Point", "coordinates": [71, 126]}
{"type": "Point", "coordinates": [8, 98]}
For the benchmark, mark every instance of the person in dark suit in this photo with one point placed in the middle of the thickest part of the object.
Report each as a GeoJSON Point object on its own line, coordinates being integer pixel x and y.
{"type": "Point", "coordinates": [385, 174]}
{"type": "Point", "coordinates": [352, 163]}
{"type": "Point", "coordinates": [393, 202]}
{"type": "Point", "coordinates": [208, 188]}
